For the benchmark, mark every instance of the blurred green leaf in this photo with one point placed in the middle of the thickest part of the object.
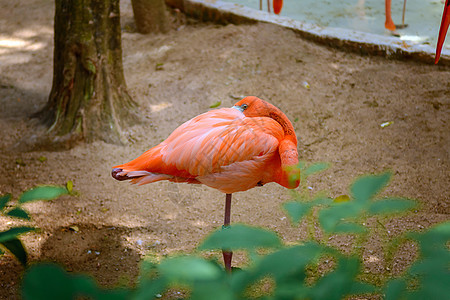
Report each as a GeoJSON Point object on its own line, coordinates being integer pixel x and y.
{"type": "Point", "coordinates": [368, 186]}
{"type": "Point", "coordinates": [347, 227]}
{"type": "Point", "coordinates": [4, 200]}
{"type": "Point", "coordinates": [217, 104]}
{"type": "Point", "coordinates": [50, 281]}
{"type": "Point", "coordinates": [216, 290]}
{"type": "Point", "coordinates": [148, 288]}
{"type": "Point", "coordinates": [330, 217]}
{"type": "Point", "coordinates": [395, 289]}
{"type": "Point", "coordinates": [15, 246]}
{"type": "Point", "coordinates": [390, 206]}
{"type": "Point", "coordinates": [316, 168]}
{"type": "Point", "coordinates": [239, 236]}
{"type": "Point", "coordinates": [13, 233]}
{"type": "Point", "coordinates": [297, 210]}
{"type": "Point", "coordinates": [188, 269]}
{"type": "Point", "coordinates": [434, 241]}
{"type": "Point", "coordinates": [18, 212]}
{"type": "Point", "coordinates": [338, 283]}
{"type": "Point", "coordinates": [362, 288]}
{"type": "Point", "coordinates": [285, 266]}
{"type": "Point", "coordinates": [288, 260]}
{"type": "Point", "coordinates": [47, 192]}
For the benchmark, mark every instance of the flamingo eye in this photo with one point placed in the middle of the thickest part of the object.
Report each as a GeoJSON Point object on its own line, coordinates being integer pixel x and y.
{"type": "Point", "coordinates": [244, 106]}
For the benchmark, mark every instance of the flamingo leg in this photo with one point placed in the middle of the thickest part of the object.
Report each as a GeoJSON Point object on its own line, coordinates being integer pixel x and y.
{"type": "Point", "coordinates": [227, 255]}
{"type": "Point", "coordinates": [403, 12]}
{"type": "Point", "coordinates": [388, 24]}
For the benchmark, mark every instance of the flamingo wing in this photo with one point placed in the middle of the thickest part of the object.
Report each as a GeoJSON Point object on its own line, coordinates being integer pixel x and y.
{"type": "Point", "coordinates": [220, 138]}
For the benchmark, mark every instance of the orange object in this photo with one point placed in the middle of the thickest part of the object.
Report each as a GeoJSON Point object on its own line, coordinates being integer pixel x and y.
{"type": "Point", "coordinates": [442, 30]}
{"type": "Point", "coordinates": [229, 149]}
{"type": "Point", "coordinates": [388, 24]}
{"type": "Point", "coordinates": [277, 5]}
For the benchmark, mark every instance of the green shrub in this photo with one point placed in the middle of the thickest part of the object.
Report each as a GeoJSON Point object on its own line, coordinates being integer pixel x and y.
{"type": "Point", "coordinates": [288, 269]}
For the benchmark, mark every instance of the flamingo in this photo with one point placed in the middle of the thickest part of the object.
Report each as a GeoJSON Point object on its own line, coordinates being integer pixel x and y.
{"type": "Point", "coordinates": [228, 149]}
{"type": "Point", "coordinates": [443, 30]}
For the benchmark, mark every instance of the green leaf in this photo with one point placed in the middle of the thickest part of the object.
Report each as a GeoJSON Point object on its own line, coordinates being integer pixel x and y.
{"type": "Point", "coordinates": [362, 288]}
{"type": "Point", "coordinates": [368, 186]}
{"type": "Point", "coordinates": [297, 210]}
{"type": "Point", "coordinates": [47, 192]}
{"type": "Point", "coordinates": [289, 260]}
{"type": "Point", "coordinates": [285, 265]}
{"type": "Point", "coordinates": [18, 212]}
{"type": "Point", "coordinates": [50, 281]}
{"type": "Point", "coordinates": [188, 269]}
{"type": "Point", "coordinates": [330, 217]}
{"type": "Point", "coordinates": [434, 241]}
{"type": "Point", "coordinates": [347, 227]}
{"type": "Point", "coordinates": [16, 248]}
{"type": "Point", "coordinates": [4, 200]}
{"type": "Point", "coordinates": [217, 104]}
{"type": "Point", "coordinates": [217, 290]}
{"type": "Point", "coordinates": [395, 289]}
{"type": "Point", "coordinates": [390, 206]}
{"type": "Point", "coordinates": [239, 236]}
{"type": "Point", "coordinates": [148, 288]}
{"type": "Point", "coordinates": [13, 233]}
{"type": "Point", "coordinates": [337, 284]}
{"type": "Point", "coordinates": [69, 186]}
{"type": "Point", "coordinates": [315, 168]}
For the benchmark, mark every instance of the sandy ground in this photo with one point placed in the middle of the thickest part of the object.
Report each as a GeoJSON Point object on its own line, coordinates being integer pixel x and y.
{"type": "Point", "coordinates": [336, 100]}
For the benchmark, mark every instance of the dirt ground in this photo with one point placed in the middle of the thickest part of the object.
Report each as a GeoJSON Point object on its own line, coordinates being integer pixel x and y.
{"type": "Point", "coordinates": [336, 100]}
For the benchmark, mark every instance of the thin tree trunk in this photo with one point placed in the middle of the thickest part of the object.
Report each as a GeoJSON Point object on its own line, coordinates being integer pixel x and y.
{"type": "Point", "coordinates": [89, 98]}
{"type": "Point", "coordinates": [150, 16]}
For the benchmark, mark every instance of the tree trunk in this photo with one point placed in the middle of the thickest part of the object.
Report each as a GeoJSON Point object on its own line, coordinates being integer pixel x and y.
{"type": "Point", "coordinates": [89, 98]}
{"type": "Point", "coordinates": [150, 16]}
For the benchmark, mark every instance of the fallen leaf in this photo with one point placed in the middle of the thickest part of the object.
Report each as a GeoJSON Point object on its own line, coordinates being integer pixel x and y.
{"type": "Point", "coordinates": [217, 104]}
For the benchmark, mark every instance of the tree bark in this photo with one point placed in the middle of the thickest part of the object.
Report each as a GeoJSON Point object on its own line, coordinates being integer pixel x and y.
{"type": "Point", "coordinates": [89, 98]}
{"type": "Point", "coordinates": [150, 16]}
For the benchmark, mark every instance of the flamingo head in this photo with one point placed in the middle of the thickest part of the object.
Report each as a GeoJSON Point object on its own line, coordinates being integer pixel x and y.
{"type": "Point", "coordinates": [252, 106]}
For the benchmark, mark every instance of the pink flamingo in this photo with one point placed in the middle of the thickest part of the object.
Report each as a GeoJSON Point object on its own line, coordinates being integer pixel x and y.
{"type": "Point", "coordinates": [229, 149]}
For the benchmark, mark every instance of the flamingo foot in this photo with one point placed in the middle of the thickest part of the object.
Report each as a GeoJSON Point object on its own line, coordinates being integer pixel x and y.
{"type": "Point", "coordinates": [389, 25]}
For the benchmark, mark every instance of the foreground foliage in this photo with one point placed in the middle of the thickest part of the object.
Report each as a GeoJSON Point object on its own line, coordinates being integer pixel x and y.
{"type": "Point", "coordinates": [288, 270]}
{"type": "Point", "coordinates": [9, 238]}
